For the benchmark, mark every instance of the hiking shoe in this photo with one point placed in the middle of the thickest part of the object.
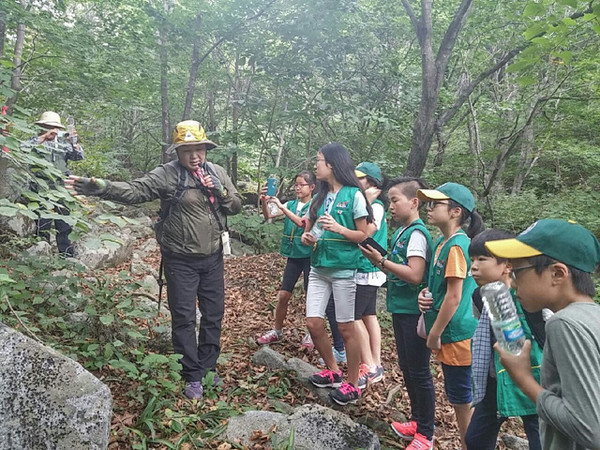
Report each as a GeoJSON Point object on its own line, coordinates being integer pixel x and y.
{"type": "Point", "coordinates": [307, 342]}
{"type": "Point", "coordinates": [363, 376]}
{"type": "Point", "coordinates": [345, 394]}
{"type": "Point", "coordinates": [193, 390]}
{"type": "Point", "coordinates": [420, 442]}
{"type": "Point", "coordinates": [340, 357]}
{"type": "Point", "coordinates": [377, 375]}
{"type": "Point", "coordinates": [270, 337]}
{"type": "Point", "coordinates": [406, 430]}
{"type": "Point", "coordinates": [326, 378]}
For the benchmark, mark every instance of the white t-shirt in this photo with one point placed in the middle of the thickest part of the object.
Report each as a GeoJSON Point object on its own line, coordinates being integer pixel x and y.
{"type": "Point", "coordinates": [376, 278]}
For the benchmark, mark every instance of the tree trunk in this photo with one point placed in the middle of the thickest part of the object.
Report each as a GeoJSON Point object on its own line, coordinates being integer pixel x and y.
{"type": "Point", "coordinates": [189, 96]}
{"type": "Point", "coordinates": [235, 117]}
{"type": "Point", "coordinates": [2, 33]}
{"type": "Point", "coordinates": [432, 70]}
{"type": "Point", "coordinates": [164, 88]}
{"type": "Point", "coordinates": [15, 81]}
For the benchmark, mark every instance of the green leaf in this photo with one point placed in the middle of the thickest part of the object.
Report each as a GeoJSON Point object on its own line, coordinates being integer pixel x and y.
{"type": "Point", "coordinates": [4, 278]}
{"type": "Point", "coordinates": [107, 319]}
{"type": "Point", "coordinates": [533, 9]}
{"type": "Point", "coordinates": [571, 3]}
{"type": "Point", "coordinates": [154, 358]}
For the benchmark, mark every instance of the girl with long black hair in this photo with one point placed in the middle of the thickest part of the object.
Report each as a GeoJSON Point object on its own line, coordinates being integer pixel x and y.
{"type": "Point", "coordinates": [338, 220]}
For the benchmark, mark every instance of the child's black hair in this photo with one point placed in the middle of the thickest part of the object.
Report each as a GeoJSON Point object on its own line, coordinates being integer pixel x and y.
{"type": "Point", "coordinates": [473, 218]}
{"type": "Point", "coordinates": [477, 246]}
{"type": "Point", "coordinates": [308, 176]}
{"type": "Point", "coordinates": [379, 185]}
{"type": "Point", "coordinates": [582, 281]}
{"type": "Point", "coordinates": [408, 186]}
{"type": "Point", "coordinates": [342, 166]}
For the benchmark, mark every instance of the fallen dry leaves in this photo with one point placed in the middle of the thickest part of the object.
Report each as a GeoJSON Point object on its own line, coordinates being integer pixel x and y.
{"type": "Point", "coordinates": [251, 288]}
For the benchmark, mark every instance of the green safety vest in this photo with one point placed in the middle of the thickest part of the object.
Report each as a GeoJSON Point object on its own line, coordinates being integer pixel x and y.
{"type": "Point", "coordinates": [463, 324]}
{"type": "Point", "coordinates": [380, 236]}
{"type": "Point", "coordinates": [332, 249]}
{"type": "Point", "coordinates": [401, 295]}
{"type": "Point", "coordinates": [510, 399]}
{"type": "Point", "coordinates": [291, 245]}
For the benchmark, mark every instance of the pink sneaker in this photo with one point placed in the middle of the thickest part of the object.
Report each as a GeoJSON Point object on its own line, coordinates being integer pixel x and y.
{"type": "Point", "coordinates": [405, 430]}
{"type": "Point", "coordinates": [420, 442]}
{"type": "Point", "coordinates": [307, 342]}
{"type": "Point", "coordinates": [270, 337]}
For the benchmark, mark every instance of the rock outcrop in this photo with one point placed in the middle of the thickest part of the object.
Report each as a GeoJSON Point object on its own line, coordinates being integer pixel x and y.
{"type": "Point", "coordinates": [48, 401]}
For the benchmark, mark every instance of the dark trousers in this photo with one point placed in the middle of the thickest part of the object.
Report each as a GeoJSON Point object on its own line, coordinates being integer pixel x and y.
{"type": "Point", "coordinates": [191, 281]}
{"type": "Point", "coordinates": [413, 359]}
{"type": "Point", "coordinates": [482, 433]}
{"type": "Point", "coordinates": [63, 229]}
{"type": "Point", "coordinates": [338, 340]}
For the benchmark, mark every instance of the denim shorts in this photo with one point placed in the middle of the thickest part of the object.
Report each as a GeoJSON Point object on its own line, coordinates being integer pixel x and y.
{"type": "Point", "coordinates": [457, 384]}
{"type": "Point", "coordinates": [320, 288]}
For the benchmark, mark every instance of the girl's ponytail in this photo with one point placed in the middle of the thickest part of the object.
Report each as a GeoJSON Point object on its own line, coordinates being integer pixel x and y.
{"type": "Point", "coordinates": [473, 219]}
{"type": "Point", "coordinates": [475, 225]}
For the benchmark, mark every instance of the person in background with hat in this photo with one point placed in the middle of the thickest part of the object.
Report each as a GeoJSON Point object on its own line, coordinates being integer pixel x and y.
{"type": "Point", "coordinates": [552, 265]}
{"type": "Point", "coordinates": [190, 242]}
{"type": "Point", "coordinates": [58, 151]}
{"type": "Point", "coordinates": [447, 313]}
{"type": "Point", "coordinates": [369, 278]}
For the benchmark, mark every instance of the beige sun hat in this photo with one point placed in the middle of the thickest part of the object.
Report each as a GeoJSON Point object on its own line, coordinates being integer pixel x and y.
{"type": "Point", "coordinates": [50, 119]}
{"type": "Point", "coordinates": [189, 132]}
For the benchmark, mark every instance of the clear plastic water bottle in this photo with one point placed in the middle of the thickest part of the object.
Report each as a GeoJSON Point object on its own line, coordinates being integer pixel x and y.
{"type": "Point", "coordinates": [71, 129]}
{"type": "Point", "coordinates": [429, 295]}
{"type": "Point", "coordinates": [503, 316]}
{"type": "Point", "coordinates": [317, 230]}
{"type": "Point", "coordinates": [273, 208]}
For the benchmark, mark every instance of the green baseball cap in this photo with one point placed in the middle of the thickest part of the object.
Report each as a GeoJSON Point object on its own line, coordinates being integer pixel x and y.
{"type": "Point", "coordinates": [369, 169]}
{"type": "Point", "coordinates": [449, 191]}
{"type": "Point", "coordinates": [564, 241]}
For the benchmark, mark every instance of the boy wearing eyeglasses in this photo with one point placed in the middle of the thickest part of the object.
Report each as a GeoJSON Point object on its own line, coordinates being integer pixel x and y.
{"type": "Point", "coordinates": [495, 396]}
{"type": "Point", "coordinates": [552, 264]}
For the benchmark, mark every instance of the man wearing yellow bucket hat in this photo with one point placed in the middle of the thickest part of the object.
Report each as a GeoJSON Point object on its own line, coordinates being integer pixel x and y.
{"type": "Point", "coordinates": [196, 198]}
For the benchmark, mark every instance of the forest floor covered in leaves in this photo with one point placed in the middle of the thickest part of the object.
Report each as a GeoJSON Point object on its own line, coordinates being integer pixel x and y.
{"type": "Point", "coordinates": [251, 286]}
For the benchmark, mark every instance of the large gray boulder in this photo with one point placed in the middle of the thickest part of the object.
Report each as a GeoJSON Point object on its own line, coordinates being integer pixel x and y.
{"type": "Point", "coordinates": [314, 427]}
{"type": "Point", "coordinates": [48, 401]}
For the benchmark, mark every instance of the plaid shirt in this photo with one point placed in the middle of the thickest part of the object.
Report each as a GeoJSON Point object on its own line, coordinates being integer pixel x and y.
{"type": "Point", "coordinates": [482, 364]}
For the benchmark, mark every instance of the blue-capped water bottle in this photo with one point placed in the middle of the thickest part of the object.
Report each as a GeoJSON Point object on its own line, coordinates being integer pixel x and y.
{"type": "Point", "coordinates": [503, 316]}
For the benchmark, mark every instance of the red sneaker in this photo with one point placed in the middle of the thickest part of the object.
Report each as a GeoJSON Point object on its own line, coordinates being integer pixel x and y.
{"type": "Point", "coordinates": [406, 430]}
{"type": "Point", "coordinates": [420, 442]}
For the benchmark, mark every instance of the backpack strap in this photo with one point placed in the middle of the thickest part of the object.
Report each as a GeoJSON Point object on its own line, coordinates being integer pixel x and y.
{"type": "Point", "coordinates": [179, 191]}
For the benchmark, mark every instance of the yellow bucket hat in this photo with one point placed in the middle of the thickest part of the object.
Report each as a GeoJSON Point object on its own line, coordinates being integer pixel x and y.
{"type": "Point", "coordinates": [189, 132]}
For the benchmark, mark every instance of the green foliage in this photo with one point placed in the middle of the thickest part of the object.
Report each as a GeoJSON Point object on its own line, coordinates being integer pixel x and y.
{"type": "Point", "coordinates": [264, 237]}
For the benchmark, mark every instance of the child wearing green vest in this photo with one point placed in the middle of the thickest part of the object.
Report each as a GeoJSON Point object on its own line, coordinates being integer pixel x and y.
{"type": "Point", "coordinates": [338, 220]}
{"type": "Point", "coordinates": [552, 265]}
{"type": "Point", "coordinates": [369, 278]}
{"type": "Point", "coordinates": [298, 255]}
{"type": "Point", "coordinates": [407, 268]}
{"type": "Point", "coordinates": [448, 316]}
{"type": "Point", "coordinates": [495, 396]}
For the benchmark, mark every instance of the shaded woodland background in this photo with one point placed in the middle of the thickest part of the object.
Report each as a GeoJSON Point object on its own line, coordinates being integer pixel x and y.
{"type": "Point", "coordinates": [502, 96]}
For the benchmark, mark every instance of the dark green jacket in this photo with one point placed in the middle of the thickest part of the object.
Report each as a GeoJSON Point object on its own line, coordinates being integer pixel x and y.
{"type": "Point", "coordinates": [463, 324]}
{"type": "Point", "coordinates": [401, 295]}
{"type": "Point", "coordinates": [291, 246]}
{"type": "Point", "coordinates": [380, 236]}
{"type": "Point", "coordinates": [332, 249]}
{"type": "Point", "coordinates": [190, 228]}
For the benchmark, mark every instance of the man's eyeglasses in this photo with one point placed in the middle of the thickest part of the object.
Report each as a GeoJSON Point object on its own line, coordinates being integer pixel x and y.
{"type": "Point", "coordinates": [516, 270]}
{"type": "Point", "coordinates": [432, 205]}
